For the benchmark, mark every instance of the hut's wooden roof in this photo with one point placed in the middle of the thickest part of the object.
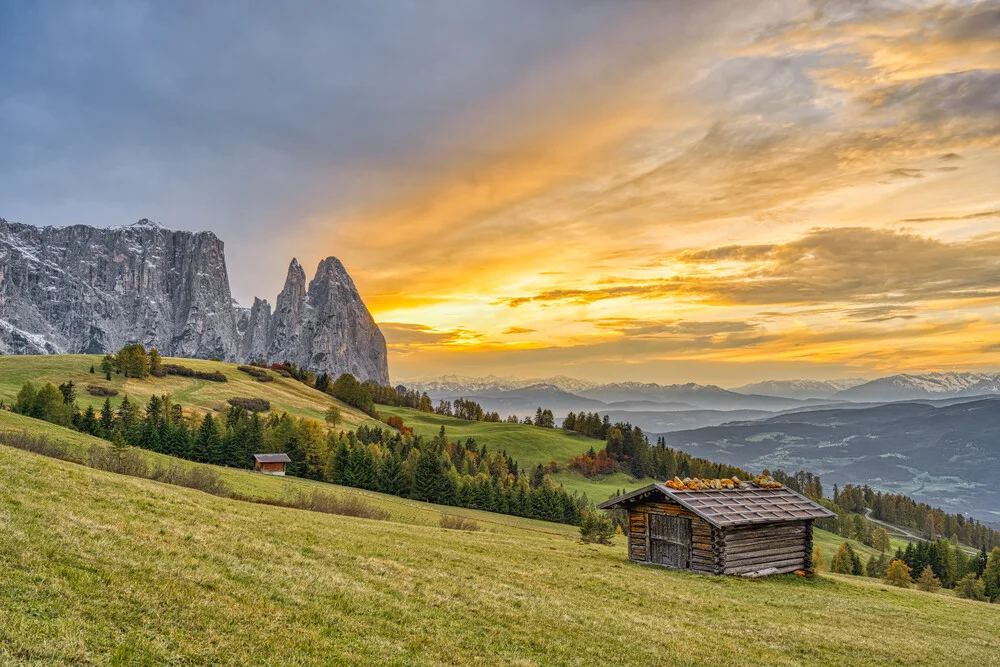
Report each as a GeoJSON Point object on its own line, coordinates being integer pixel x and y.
{"type": "Point", "coordinates": [731, 507]}
{"type": "Point", "coordinates": [272, 458]}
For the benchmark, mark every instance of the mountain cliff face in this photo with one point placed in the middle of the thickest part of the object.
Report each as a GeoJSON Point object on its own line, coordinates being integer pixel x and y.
{"type": "Point", "coordinates": [88, 290]}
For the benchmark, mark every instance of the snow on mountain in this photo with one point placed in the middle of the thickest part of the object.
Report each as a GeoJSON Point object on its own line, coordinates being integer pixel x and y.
{"type": "Point", "coordinates": [799, 388]}
{"type": "Point", "coordinates": [457, 384]}
{"type": "Point", "coordinates": [910, 386]}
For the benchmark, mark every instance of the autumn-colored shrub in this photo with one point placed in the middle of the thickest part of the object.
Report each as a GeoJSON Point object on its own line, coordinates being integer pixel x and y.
{"type": "Point", "coordinates": [591, 464]}
{"type": "Point", "coordinates": [397, 423]}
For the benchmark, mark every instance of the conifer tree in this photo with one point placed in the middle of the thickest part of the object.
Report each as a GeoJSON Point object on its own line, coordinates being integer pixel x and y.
{"type": "Point", "coordinates": [927, 581]}
{"type": "Point", "coordinates": [88, 422]}
{"type": "Point", "coordinates": [991, 576]}
{"type": "Point", "coordinates": [155, 363]}
{"type": "Point", "coordinates": [207, 442]}
{"type": "Point", "coordinates": [425, 477]}
{"type": "Point", "coordinates": [107, 419]}
{"type": "Point", "coordinates": [390, 479]}
{"type": "Point", "coordinates": [971, 588]}
{"type": "Point", "coordinates": [843, 560]}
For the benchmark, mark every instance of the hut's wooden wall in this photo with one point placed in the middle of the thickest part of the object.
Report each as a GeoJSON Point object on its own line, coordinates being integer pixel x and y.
{"type": "Point", "coordinates": [705, 555]}
{"type": "Point", "coordinates": [787, 547]}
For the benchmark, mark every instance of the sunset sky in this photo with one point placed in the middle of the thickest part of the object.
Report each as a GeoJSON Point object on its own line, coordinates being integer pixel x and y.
{"type": "Point", "coordinates": [669, 192]}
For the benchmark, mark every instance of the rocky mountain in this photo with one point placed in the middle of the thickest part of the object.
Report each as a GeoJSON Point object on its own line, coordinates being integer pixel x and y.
{"type": "Point", "coordinates": [83, 289]}
{"type": "Point", "coordinates": [905, 387]}
{"type": "Point", "coordinates": [798, 388]}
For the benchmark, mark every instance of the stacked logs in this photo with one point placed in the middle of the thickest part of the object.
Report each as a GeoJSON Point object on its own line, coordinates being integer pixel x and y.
{"type": "Point", "coordinates": [698, 484]}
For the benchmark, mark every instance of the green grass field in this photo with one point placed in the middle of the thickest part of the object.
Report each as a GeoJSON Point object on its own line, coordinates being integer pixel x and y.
{"type": "Point", "coordinates": [283, 393]}
{"type": "Point", "coordinates": [102, 568]}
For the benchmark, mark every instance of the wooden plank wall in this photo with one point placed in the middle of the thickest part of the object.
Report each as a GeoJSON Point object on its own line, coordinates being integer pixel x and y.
{"type": "Point", "coordinates": [705, 542]}
{"type": "Point", "coordinates": [783, 546]}
{"type": "Point", "coordinates": [637, 535]}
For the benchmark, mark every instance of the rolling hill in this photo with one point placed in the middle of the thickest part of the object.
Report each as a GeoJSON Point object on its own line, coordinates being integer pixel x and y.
{"type": "Point", "coordinates": [104, 568]}
{"type": "Point", "coordinates": [283, 393]}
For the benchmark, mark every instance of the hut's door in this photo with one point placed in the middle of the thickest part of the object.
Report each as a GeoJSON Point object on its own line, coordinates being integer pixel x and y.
{"type": "Point", "coordinates": [670, 540]}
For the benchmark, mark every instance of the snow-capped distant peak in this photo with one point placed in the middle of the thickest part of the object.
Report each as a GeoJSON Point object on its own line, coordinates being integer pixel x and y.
{"type": "Point", "coordinates": [921, 385]}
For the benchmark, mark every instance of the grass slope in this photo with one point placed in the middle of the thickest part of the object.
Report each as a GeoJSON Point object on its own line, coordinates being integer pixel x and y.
{"type": "Point", "coordinates": [104, 568]}
{"type": "Point", "coordinates": [266, 487]}
{"type": "Point", "coordinates": [283, 393]}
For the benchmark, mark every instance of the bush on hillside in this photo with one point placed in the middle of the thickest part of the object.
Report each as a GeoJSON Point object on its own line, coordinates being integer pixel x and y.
{"type": "Point", "coordinates": [328, 503]}
{"type": "Point", "coordinates": [250, 404]}
{"type": "Point", "coordinates": [199, 477]}
{"type": "Point", "coordinates": [455, 522]}
{"type": "Point", "coordinates": [259, 374]}
{"type": "Point", "coordinates": [124, 461]}
{"type": "Point", "coordinates": [596, 527]}
{"type": "Point", "coordinates": [95, 390]}
{"type": "Point", "coordinates": [184, 371]}
{"type": "Point", "coordinates": [36, 444]}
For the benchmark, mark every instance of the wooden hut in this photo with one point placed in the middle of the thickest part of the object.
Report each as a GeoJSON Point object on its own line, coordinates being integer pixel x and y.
{"type": "Point", "coordinates": [748, 531]}
{"type": "Point", "coordinates": [270, 464]}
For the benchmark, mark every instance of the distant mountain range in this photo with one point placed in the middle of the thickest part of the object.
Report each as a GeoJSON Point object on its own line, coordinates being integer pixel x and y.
{"type": "Point", "coordinates": [758, 396]}
{"type": "Point", "coordinates": [927, 385]}
{"type": "Point", "coordinates": [945, 454]}
{"type": "Point", "coordinates": [799, 388]}
{"type": "Point", "coordinates": [458, 384]}
{"type": "Point", "coordinates": [665, 408]}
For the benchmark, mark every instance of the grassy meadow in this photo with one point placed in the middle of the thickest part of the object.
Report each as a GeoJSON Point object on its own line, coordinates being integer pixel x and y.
{"type": "Point", "coordinates": [273, 488]}
{"type": "Point", "coordinates": [102, 568]}
{"type": "Point", "coordinates": [285, 394]}
{"type": "Point", "coordinates": [528, 445]}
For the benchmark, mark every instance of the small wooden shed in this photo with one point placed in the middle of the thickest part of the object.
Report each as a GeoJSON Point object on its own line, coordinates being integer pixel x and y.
{"type": "Point", "coordinates": [270, 464]}
{"type": "Point", "coordinates": [747, 531]}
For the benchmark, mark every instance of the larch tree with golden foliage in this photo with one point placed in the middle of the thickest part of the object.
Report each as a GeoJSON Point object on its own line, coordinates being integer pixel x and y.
{"type": "Point", "coordinates": [819, 563]}
{"type": "Point", "coordinates": [898, 574]}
